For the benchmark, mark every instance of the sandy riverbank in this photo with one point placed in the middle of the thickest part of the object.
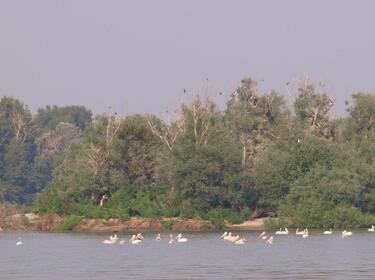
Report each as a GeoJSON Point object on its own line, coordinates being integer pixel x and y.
{"type": "Point", "coordinates": [51, 222]}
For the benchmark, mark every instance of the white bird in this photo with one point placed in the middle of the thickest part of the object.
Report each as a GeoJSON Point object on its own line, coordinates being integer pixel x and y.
{"type": "Point", "coordinates": [139, 236]}
{"type": "Point", "coordinates": [285, 232]}
{"type": "Point", "coordinates": [19, 242]}
{"type": "Point", "coordinates": [134, 240]}
{"type": "Point", "coordinates": [346, 234]}
{"type": "Point", "coordinates": [234, 238]}
{"type": "Point", "coordinates": [158, 237]}
{"type": "Point", "coordinates": [328, 231]}
{"type": "Point", "coordinates": [263, 236]}
{"type": "Point", "coordinates": [300, 232]}
{"type": "Point", "coordinates": [228, 236]}
{"type": "Point", "coordinates": [122, 242]}
{"type": "Point", "coordinates": [305, 234]}
{"type": "Point", "coordinates": [181, 239]}
{"type": "Point", "coordinates": [171, 240]}
{"type": "Point", "coordinates": [240, 241]}
{"type": "Point", "coordinates": [371, 229]}
{"type": "Point", "coordinates": [111, 240]}
{"type": "Point", "coordinates": [224, 235]}
{"type": "Point", "coordinates": [270, 240]}
{"type": "Point", "coordinates": [279, 232]}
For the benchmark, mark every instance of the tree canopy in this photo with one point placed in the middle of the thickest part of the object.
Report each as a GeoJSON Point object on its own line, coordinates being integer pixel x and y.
{"type": "Point", "coordinates": [256, 157]}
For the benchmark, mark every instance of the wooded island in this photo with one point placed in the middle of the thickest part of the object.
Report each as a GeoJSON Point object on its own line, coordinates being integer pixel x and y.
{"type": "Point", "coordinates": [261, 156]}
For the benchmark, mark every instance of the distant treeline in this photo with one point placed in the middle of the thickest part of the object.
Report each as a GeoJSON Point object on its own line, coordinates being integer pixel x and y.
{"type": "Point", "coordinates": [260, 156]}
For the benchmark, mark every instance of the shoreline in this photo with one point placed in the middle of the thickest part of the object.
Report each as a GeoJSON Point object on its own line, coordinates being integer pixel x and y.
{"type": "Point", "coordinates": [30, 222]}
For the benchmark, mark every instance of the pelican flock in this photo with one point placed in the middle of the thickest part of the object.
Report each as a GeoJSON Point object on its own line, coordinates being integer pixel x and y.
{"type": "Point", "coordinates": [236, 239]}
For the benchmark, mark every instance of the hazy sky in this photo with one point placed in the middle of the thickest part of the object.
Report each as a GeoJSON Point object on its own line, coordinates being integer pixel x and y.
{"type": "Point", "coordinates": [138, 56]}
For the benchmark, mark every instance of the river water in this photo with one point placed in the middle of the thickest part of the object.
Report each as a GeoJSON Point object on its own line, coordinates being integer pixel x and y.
{"type": "Point", "coordinates": [205, 256]}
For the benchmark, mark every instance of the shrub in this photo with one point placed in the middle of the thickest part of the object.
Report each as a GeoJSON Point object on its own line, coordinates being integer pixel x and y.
{"type": "Point", "coordinates": [167, 224]}
{"type": "Point", "coordinates": [216, 217]}
{"type": "Point", "coordinates": [69, 223]}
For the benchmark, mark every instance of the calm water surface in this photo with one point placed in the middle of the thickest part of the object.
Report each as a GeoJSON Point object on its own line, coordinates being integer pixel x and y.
{"type": "Point", "coordinates": [205, 256]}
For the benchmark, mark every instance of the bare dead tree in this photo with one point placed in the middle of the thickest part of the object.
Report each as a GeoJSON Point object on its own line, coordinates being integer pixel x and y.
{"type": "Point", "coordinates": [21, 125]}
{"type": "Point", "coordinates": [168, 131]}
{"type": "Point", "coordinates": [200, 111]}
{"type": "Point", "coordinates": [99, 156]}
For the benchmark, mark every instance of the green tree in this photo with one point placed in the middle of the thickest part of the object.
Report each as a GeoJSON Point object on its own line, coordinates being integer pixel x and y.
{"type": "Point", "coordinates": [50, 117]}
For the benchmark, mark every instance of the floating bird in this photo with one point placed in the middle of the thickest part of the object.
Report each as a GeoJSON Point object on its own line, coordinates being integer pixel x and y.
{"type": "Point", "coordinates": [328, 231]}
{"type": "Point", "coordinates": [263, 236]}
{"type": "Point", "coordinates": [285, 232]}
{"type": "Point", "coordinates": [299, 232]}
{"type": "Point", "coordinates": [270, 240]}
{"type": "Point", "coordinates": [279, 232]}
{"type": "Point", "coordinates": [112, 240]}
{"type": "Point", "coordinates": [134, 240]}
{"type": "Point", "coordinates": [240, 241]}
{"type": "Point", "coordinates": [181, 239]}
{"type": "Point", "coordinates": [371, 229]}
{"type": "Point", "coordinates": [234, 238]}
{"type": "Point", "coordinates": [224, 235]}
{"type": "Point", "coordinates": [139, 236]}
{"type": "Point", "coordinates": [19, 242]}
{"type": "Point", "coordinates": [228, 237]}
{"type": "Point", "coordinates": [345, 234]}
{"type": "Point", "coordinates": [158, 237]}
{"type": "Point", "coordinates": [171, 240]}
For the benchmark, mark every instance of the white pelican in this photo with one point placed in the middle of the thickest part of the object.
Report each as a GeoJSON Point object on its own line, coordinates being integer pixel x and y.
{"type": "Point", "coordinates": [111, 240]}
{"type": "Point", "coordinates": [134, 240]}
{"type": "Point", "coordinates": [270, 240]}
{"type": "Point", "coordinates": [139, 236]}
{"type": "Point", "coordinates": [328, 231]}
{"type": "Point", "coordinates": [305, 234]}
{"type": "Point", "coordinates": [234, 238]}
{"type": "Point", "coordinates": [171, 240]}
{"type": "Point", "coordinates": [224, 235]}
{"type": "Point", "coordinates": [19, 242]}
{"type": "Point", "coordinates": [346, 234]}
{"type": "Point", "coordinates": [371, 229]}
{"type": "Point", "coordinates": [180, 238]}
{"type": "Point", "coordinates": [285, 232]}
{"type": "Point", "coordinates": [263, 236]}
{"type": "Point", "coordinates": [279, 232]}
{"type": "Point", "coordinates": [301, 232]}
{"type": "Point", "coordinates": [228, 237]}
{"type": "Point", "coordinates": [158, 237]}
{"type": "Point", "coordinates": [240, 241]}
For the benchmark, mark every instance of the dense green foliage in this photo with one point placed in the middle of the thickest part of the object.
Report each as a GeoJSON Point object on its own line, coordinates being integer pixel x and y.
{"type": "Point", "coordinates": [69, 223]}
{"type": "Point", "coordinates": [257, 157]}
